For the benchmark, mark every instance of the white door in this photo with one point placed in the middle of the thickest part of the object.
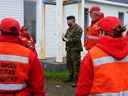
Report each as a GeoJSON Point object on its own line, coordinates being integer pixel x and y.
{"type": "Point", "coordinates": [70, 10]}
{"type": "Point", "coordinates": [50, 27]}
{"type": "Point", "coordinates": [50, 31]}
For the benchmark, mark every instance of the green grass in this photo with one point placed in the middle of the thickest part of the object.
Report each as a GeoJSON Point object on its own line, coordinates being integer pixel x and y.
{"type": "Point", "coordinates": [57, 76]}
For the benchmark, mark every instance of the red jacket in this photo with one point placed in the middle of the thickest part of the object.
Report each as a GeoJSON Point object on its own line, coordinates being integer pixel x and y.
{"type": "Point", "coordinates": [116, 48]}
{"type": "Point", "coordinates": [92, 33]}
{"type": "Point", "coordinates": [27, 39]}
{"type": "Point", "coordinates": [10, 46]}
{"type": "Point", "coordinates": [91, 36]}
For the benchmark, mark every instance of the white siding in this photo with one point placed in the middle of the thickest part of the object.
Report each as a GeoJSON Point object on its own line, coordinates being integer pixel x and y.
{"type": "Point", "coordinates": [126, 19]}
{"type": "Point", "coordinates": [12, 8]}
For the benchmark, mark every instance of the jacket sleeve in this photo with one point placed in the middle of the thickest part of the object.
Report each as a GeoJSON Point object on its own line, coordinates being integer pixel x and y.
{"type": "Point", "coordinates": [36, 77]}
{"type": "Point", "coordinates": [85, 77]}
{"type": "Point", "coordinates": [76, 35]}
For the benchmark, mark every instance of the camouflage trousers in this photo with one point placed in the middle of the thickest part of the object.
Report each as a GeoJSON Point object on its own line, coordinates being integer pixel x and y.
{"type": "Point", "coordinates": [73, 63]}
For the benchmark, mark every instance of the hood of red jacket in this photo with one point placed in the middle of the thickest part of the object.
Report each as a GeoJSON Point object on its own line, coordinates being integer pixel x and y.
{"type": "Point", "coordinates": [11, 39]}
{"type": "Point", "coordinates": [116, 47]}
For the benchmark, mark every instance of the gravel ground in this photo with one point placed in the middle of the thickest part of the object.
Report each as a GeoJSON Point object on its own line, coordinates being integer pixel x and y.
{"type": "Point", "coordinates": [54, 88]}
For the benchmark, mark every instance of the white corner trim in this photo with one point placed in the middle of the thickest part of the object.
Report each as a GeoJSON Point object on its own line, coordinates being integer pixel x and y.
{"type": "Point", "coordinates": [109, 3]}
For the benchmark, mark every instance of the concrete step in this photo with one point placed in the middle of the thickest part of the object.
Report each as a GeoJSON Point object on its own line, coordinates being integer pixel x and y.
{"type": "Point", "coordinates": [50, 64]}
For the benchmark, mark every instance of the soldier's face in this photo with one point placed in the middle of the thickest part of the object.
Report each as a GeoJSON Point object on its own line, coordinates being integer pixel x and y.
{"type": "Point", "coordinates": [70, 22]}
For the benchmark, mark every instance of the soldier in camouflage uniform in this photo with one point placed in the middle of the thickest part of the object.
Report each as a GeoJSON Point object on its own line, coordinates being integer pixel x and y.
{"type": "Point", "coordinates": [73, 47]}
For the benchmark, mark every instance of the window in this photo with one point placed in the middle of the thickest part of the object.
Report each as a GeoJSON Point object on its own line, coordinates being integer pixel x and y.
{"type": "Point", "coordinates": [86, 17]}
{"type": "Point", "coordinates": [121, 16]}
{"type": "Point", "coordinates": [30, 17]}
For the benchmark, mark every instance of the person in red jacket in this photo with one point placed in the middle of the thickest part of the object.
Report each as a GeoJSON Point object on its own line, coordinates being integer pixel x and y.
{"type": "Point", "coordinates": [92, 32]}
{"type": "Point", "coordinates": [21, 72]}
{"type": "Point", "coordinates": [104, 69]}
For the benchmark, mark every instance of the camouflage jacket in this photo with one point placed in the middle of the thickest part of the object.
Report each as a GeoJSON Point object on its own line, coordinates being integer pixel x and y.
{"type": "Point", "coordinates": [73, 36]}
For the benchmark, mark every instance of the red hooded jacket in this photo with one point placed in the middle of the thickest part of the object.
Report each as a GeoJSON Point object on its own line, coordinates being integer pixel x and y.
{"type": "Point", "coordinates": [115, 47]}
{"type": "Point", "coordinates": [36, 78]}
{"type": "Point", "coordinates": [27, 39]}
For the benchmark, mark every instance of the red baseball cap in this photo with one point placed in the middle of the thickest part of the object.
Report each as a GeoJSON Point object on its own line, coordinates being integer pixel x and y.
{"type": "Point", "coordinates": [94, 8]}
{"type": "Point", "coordinates": [108, 24]}
{"type": "Point", "coordinates": [8, 23]}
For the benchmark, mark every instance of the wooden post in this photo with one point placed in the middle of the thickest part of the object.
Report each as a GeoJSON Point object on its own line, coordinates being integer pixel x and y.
{"type": "Point", "coordinates": [59, 26]}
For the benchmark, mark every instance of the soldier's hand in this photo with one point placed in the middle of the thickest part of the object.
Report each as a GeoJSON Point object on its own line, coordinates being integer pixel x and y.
{"type": "Point", "coordinates": [64, 38]}
{"type": "Point", "coordinates": [63, 35]}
